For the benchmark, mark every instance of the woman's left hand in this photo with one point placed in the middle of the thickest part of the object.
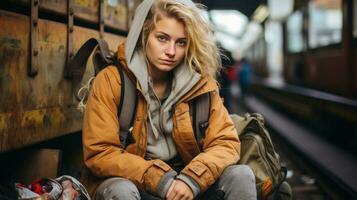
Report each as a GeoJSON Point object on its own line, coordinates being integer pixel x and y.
{"type": "Point", "coordinates": [179, 190]}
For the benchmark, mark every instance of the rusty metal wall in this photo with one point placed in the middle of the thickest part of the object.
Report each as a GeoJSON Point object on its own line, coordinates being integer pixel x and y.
{"type": "Point", "coordinates": [116, 12]}
{"type": "Point", "coordinates": [41, 107]}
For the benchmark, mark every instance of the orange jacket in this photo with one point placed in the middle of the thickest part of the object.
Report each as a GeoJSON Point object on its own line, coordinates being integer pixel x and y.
{"type": "Point", "coordinates": [105, 157]}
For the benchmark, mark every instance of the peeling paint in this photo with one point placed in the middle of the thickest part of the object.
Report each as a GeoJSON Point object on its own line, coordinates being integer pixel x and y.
{"type": "Point", "coordinates": [13, 42]}
{"type": "Point", "coordinates": [57, 117]}
{"type": "Point", "coordinates": [5, 119]}
{"type": "Point", "coordinates": [50, 117]}
{"type": "Point", "coordinates": [33, 118]}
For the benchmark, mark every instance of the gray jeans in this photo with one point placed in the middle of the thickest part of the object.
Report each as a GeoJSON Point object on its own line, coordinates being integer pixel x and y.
{"type": "Point", "coordinates": [237, 182]}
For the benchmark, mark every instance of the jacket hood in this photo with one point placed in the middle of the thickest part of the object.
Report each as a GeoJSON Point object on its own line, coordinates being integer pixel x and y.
{"type": "Point", "coordinates": [135, 58]}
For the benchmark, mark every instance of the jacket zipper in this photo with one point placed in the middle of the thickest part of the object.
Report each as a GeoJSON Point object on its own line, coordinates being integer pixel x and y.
{"type": "Point", "coordinates": [161, 124]}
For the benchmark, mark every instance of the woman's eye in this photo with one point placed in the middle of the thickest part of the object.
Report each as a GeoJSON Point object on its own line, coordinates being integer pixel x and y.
{"type": "Point", "coordinates": [182, 43]}
{"type": "Point", "coordinates": [161, 38]}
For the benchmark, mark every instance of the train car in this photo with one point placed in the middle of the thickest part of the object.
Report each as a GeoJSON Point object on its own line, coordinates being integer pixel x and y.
{"type": "Point", "coordinates": [306, 89]}
{"type": "Point", "coordinates": [320, 47]}
{"type": "Point", "coordinates": [318, 75]}
{"type": "Point", "coordinates": [319, 42]}
{"type": "Point", "coordinates": [315, 95]}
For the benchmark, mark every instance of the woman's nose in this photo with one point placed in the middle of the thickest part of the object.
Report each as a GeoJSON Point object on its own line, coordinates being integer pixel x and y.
{"type": "Point", "coordinates": [170, 50]}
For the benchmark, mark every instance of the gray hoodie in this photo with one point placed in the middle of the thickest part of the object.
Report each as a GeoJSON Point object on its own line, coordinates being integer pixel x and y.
{"type": "Point", "coordinates": [160, 143]}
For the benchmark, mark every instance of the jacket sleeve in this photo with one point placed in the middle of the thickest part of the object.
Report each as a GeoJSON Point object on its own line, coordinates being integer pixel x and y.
{"type": "Point", "coordinates": [104, 155]}
{"type": "Point", "coordinates": [221, 147]}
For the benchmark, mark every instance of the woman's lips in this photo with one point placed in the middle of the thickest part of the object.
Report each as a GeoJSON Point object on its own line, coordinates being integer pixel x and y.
{"type": "Point", "coordinates": [167, 62]}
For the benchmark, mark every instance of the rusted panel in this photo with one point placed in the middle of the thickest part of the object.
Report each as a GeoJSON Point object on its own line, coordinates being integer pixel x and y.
{"type": "Point", "coordinates": [114, 41]}
{"type": "Point", "coordinates": [13, 50]}
{"type": "Point", "coordinates": [32, 126]}
{"type": "Point", "coordinates": [54, 6]}
{"type": "Point", "coordinates": [101, 18]}
{"type": "Point", "coordinates": [87, 10]}
{"type": "Point", "coordinates": [84, 9]}
{"type": "Point", "coordinates": [116, 14]}
{"type": "Point", "coordinates": [40, 108]}
{"type": "Point", "coordinates": [132, 5]}
{"type": "Point", "coordinates": [115, 11]}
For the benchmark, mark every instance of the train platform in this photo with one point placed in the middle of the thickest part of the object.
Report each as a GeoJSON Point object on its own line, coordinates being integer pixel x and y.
{"type": "Point", "coordinates": [317, 169]}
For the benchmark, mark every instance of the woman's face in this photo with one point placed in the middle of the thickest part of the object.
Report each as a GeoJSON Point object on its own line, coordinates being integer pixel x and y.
{"type": "Point", "coordinates": [167, 44]}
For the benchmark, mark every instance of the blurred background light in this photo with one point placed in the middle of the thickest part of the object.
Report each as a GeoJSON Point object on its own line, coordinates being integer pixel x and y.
{"type": "Point", "coordinates": [231, 22]}
{"type": "Point", "coordinates": [280, 9]}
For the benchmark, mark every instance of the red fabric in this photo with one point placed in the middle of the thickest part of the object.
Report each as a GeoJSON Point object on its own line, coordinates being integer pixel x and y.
{"type": "Point", "coordinates": [232, 73]}
{"type": "Point", "coordinates": [36, 186]}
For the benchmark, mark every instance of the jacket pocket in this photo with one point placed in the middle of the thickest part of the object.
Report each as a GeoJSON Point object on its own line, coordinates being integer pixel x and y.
{"type": "Point", "coordinates": [198, 170]}
{"type": "Point", "coordinates": [162, 166]}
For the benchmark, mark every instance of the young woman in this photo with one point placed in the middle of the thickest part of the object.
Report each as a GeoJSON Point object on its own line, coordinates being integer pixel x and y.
{"type": "Point", "coordinates": [172, 57]}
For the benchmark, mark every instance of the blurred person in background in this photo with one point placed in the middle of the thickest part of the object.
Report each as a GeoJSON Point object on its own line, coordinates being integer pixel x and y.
{"type": "Point", "coordinates": [227, 77]}
{"type": "Point", "coordinates": [245, 76]}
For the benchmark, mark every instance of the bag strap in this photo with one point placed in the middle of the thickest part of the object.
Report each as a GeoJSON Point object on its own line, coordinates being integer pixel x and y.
{"type": "Point", "coordinates": [77, 66]}
{"type": "Point", "coordinates": [126, 107]}
{"type": "Point", "coordinates": [200, 108]}
{"type": "Point", "coordinates": [103, 57]}
{"type": "Point", "coordinates": [200, 114]}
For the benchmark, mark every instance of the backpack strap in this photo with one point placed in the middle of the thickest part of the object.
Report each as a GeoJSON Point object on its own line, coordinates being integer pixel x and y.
{"type": "Point", "coordinates": [126, 107]}
{"type": "Point", "coordinates": [75, 70]}
{"type": "Point", "coordinates": [102, 57]}
{"type": "Point", "coordinates": [200, 108]}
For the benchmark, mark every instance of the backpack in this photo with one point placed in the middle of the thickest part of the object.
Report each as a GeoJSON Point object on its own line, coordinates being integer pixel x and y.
{"type": "Point", "coordinates": [257, 150]}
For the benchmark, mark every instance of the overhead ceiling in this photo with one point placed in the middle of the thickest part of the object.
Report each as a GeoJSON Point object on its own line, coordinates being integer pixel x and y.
{"type": "Point", "coordinates": [246, 7]}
